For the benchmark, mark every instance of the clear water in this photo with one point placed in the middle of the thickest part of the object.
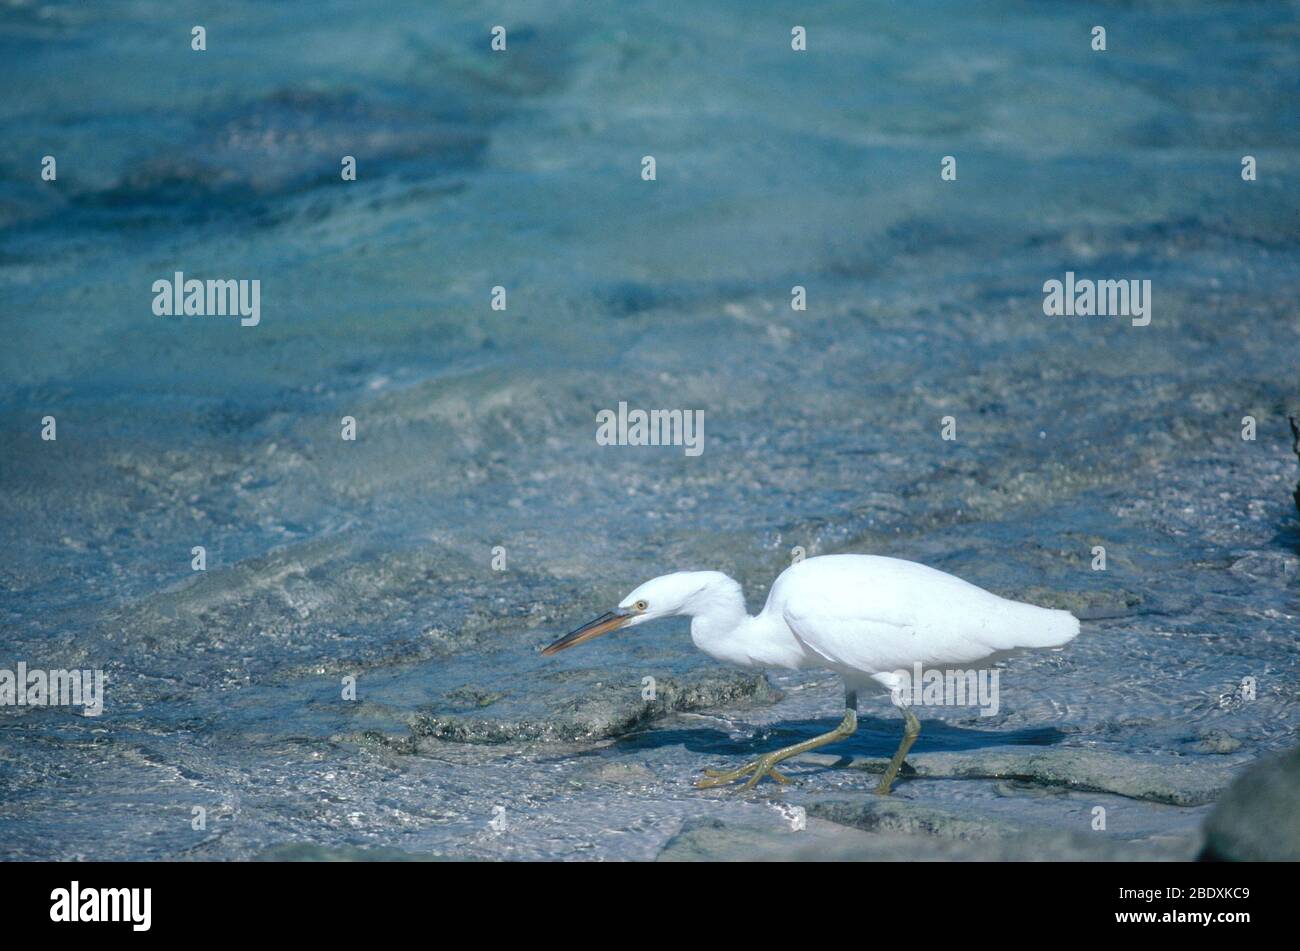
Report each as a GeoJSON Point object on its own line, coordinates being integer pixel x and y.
{"type": "Point", "coordinates": [373, 558]}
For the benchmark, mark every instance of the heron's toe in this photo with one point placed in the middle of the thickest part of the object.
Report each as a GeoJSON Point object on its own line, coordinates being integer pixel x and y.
{"type": "Point", "coordinates": [766, 767]}
{"type": "Point", "coordinates": [721, 777]}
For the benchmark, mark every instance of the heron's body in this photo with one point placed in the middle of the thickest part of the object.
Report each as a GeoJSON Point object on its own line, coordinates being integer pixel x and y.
{"type": "Point", "coordinates": [863, 616]}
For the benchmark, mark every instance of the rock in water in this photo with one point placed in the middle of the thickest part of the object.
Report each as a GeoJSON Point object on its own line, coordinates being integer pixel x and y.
{"type": "Point", "coordinates": [1258, 818]}
{"type": "Point", "coordinates": [1295, 447]}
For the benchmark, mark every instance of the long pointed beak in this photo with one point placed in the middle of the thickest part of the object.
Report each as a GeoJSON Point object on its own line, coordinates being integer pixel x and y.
{"type": "Point", "coordinates": [609, 621]}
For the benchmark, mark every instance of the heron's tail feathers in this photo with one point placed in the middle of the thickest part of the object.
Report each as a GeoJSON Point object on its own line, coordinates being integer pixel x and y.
{"type": "Point", "coordinates": [1050, 628]}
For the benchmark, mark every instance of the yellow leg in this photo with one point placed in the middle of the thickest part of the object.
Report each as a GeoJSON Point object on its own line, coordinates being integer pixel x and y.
{"type": "Point", "coordinates": [765, 765]}
{"type": "Point", "coordinates": [911, 731]}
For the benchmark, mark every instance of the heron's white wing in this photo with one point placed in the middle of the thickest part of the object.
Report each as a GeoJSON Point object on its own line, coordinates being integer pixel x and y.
{"type": "Point", "coordinates": [877, 615]}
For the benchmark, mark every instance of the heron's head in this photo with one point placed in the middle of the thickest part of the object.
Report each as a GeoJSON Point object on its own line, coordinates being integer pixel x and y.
{"type": "Point", "coordinates": [683, 592]}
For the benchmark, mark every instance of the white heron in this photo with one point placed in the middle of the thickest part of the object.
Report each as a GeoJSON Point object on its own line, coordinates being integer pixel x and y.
{"type": "Point", "coordinates": [865, 617]}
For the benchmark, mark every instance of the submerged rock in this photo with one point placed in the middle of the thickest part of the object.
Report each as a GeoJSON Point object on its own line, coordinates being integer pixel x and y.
{"type": "Point", "coordinates": [1258, 818]}
{"type": "Point", "coordinates": [292, 140]}
{"type": "Point", "coordinates": [1085, 605]}
{"type": "Point", "coordinates": [471, 696]}
{"type": "Point", "coordinates": [311, 852]}
{"type": "Point", "coordinates": [1216, 741]}
{"type": "Point", "coordinates": [561, 708]}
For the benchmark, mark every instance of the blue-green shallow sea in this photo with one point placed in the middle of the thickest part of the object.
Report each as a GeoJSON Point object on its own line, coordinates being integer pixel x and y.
{"type": "Point", "coordinates": [476, 427]}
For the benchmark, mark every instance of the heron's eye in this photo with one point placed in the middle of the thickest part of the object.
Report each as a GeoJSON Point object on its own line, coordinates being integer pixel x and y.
{"type": "Point", "coordinates": [640, 605]}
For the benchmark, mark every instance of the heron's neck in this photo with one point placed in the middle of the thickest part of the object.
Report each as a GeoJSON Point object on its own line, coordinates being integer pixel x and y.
{"type": "Point", "coordinates": [718, 617]}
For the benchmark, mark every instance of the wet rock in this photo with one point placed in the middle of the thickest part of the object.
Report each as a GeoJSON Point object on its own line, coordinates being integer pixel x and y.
{"type": "Point", "coordinates": [1015, 789]}
{"type": "Point", "coordinates": [566, 706]}
{"type": "Point", "coordinates": [1216, 741]}
{"type": "Point", "coordinates": [1258, 818]}
{"type": "Point", "coordinates": [712, 840]}
{"type": "Point", "coordinates": [1178, 781]}
{"type": "Point", "coordinates": [1295, 448]}
{"type": "Point", "coordinates": [899, 817]}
